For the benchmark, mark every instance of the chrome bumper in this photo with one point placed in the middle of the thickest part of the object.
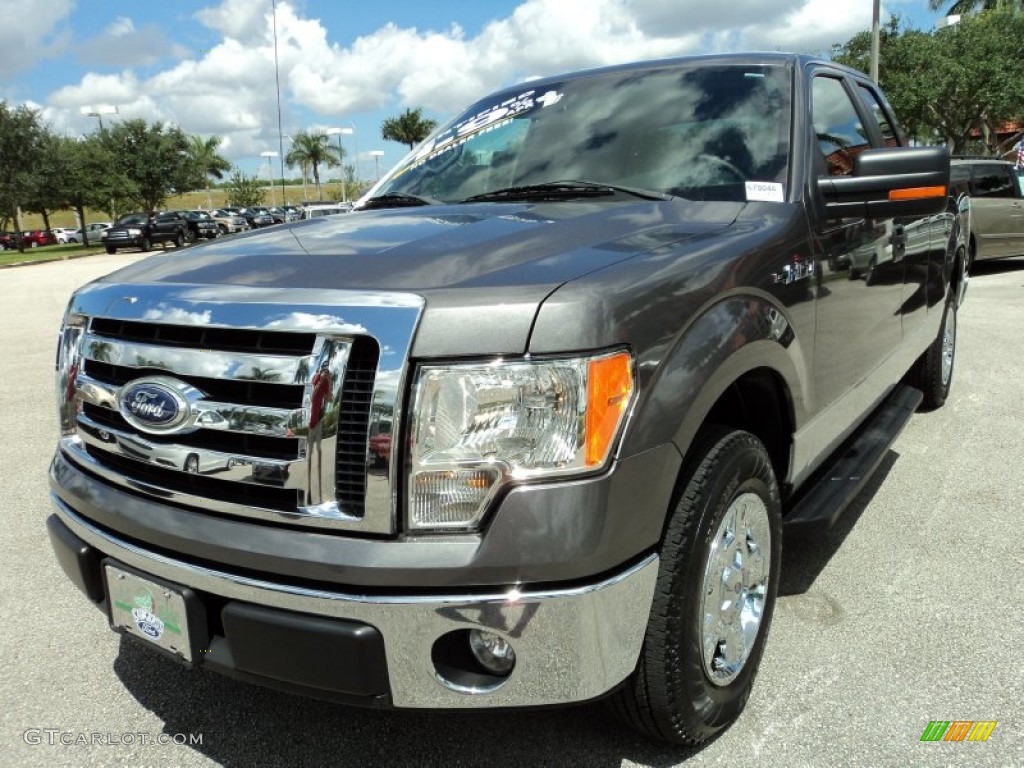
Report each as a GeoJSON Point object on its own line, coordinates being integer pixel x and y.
{"type": "Point", "coordinates": [571, 644]}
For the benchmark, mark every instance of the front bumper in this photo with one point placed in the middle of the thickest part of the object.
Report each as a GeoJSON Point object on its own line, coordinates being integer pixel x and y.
{"type": "Point", "coordinates": [572, 644]}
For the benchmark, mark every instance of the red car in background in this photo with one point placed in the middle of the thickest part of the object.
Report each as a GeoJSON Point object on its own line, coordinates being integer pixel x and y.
{"type": "Point", "coordinates": [36, 237]}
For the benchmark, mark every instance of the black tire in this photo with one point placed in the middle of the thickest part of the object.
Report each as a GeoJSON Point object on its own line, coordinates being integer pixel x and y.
{"type": "Point", "coordinates": [180, 239]}
{"type": "Point", "coordinates": [111, 249]}
{"type": "Point", "coordinates": [222, 229]}
{"type": "Point", "coordinates": [932, 372]}
{"type": "Point", "coordinates": [145, 244]}
{"type": "Point", "coordinates": [671, 696]}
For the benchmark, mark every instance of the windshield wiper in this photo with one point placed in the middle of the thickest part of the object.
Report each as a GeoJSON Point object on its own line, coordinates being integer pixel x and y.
{"type": "Point", "coordinates": [396, 200]}
{"type": "Point", "coordinates": [564, 190]}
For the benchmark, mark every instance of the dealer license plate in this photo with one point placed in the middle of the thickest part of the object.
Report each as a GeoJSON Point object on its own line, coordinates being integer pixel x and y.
{"type": "Point", "coordinates": [149, 611]}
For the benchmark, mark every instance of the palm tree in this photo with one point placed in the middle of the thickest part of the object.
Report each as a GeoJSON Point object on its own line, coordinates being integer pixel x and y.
{"type": "Point", "coordinates": [409, 128]}
{"type": "Point", "coordinates": [311, 150]}
{"type": "Point", "coordinates": [959, 7]}
{"type": "Point", "coordinates": [204, 154]}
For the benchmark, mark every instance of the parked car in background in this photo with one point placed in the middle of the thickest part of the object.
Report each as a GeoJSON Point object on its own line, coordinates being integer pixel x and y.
{"type": "Point", "coordinates": [284, 213]}
{"type": "Point", "coordinates": [201, 225]}
{"type": "Point", "coordinates": [35, 237]}
{"type": "Point", "coordinates": [324, 209]}
{"type": "Point", "coordinates": [228, 222]}
{"type": "Point", "coordinates": [8, 241]}
{"type": "Point", "coordinates": [137, 230]}
{"type": "Point", "coordinates": [993, 209]}
{"type": "Point", "coordinates": [67, 235]}
{"type": "Point", "coordinates": [256, 217]}
{"type": "Point", "coordinates": [96, 229]}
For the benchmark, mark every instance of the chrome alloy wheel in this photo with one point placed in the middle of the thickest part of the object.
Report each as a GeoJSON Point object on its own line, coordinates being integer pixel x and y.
{"type": "Point", "coordinates": [948, 345]}
{"type": "Point", "coordinates": [735, 585]}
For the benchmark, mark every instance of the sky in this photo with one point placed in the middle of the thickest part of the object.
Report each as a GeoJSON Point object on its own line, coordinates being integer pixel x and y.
{"type": "Point", "coordinates": [209, 66]}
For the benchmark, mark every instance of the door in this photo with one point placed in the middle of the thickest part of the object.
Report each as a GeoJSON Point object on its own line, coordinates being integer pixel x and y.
{"type": "Point", "coordinates": [860, 298]}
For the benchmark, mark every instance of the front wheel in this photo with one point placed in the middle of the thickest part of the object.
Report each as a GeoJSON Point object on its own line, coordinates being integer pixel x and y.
{"type": "Point", "coordinates": [145, 244]}
{"type": "Point", "coordinates": [933, 371]}
{"type": "Point", "coordinates": [111, 249]}
{"type": "Point", "coordinates": [716, 589]}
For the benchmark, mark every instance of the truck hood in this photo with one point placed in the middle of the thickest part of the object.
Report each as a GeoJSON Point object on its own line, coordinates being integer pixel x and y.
{"type": "Point", "coordinates": [459, 258]}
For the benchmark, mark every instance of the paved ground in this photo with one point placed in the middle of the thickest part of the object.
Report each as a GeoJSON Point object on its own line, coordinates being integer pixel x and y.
{"type": "Point", "coordinates": [907, 614]}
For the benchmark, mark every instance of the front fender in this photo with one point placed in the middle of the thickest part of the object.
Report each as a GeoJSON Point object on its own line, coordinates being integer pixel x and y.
{"type": "Point", "coordinates": [734, 336]}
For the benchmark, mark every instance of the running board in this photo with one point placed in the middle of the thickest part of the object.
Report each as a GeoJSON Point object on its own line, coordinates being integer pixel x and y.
{"type": "Point", "coordinates": [839, 483]}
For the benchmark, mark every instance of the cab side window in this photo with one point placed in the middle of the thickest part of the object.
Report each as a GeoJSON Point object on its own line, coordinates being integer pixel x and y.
{"type": "Point", "coordinates": [841, 135]}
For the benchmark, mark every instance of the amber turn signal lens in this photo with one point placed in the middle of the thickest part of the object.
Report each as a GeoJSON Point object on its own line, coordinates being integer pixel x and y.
{"type": "Point", "coordinates": [609, 387]}
{"type": "Point", "coordinates": [917, 193]}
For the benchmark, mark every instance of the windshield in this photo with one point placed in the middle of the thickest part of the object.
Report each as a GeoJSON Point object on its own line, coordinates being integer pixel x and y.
{"type": "Point", "coordinates": [707, 132]}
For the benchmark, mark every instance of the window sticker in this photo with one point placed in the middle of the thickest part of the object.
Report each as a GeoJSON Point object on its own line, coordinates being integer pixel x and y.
{"type": "Point", "coordinates": [767, 191]}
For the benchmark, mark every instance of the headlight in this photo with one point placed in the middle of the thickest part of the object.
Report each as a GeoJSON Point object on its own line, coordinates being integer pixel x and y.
{"type": "Point", "coordinates": [68, 363]}
{"type": "Point", "coordinates": [478, 427]}
{"type": "Point", "coordinates": [134, 232]}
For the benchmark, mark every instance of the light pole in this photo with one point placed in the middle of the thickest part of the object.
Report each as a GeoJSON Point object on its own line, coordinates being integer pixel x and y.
{"type": "Point", "coordinates": [875, 34]}
{"type": "Point", "coordinates": [99, 111]}
{"type": "Point", "coordinates": [376, 154]}
{"type": "Point", "coordinates": [341, 155]}
{"type": "Point", "coordinates": [270, 173]}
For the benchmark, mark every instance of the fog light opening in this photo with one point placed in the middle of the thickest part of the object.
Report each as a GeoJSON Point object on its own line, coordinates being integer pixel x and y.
{"type": "Point", "coordinates": [473, 661]}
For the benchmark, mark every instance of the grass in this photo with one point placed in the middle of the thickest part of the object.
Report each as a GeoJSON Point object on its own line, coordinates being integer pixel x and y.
{"type": "Point", "coordinates": [48, 253]}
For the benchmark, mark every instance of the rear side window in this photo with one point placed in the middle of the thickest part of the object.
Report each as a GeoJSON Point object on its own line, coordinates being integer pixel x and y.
{"type": "Point", "coordinates": [992, 180]}
{"type": "Point", "coordinates": [875, 106]}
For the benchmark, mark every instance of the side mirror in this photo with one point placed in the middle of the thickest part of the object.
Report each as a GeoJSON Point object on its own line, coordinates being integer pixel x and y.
{"type": "Point", "coordinates": [890, 182]}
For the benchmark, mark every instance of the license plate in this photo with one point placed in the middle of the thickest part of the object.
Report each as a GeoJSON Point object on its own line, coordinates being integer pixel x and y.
{"type": "Point", "coordinates": [153, 612]}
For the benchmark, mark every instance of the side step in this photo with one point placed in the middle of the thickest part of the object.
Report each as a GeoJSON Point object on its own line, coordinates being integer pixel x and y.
{"type": "Point", "coordinates": [838, 483]}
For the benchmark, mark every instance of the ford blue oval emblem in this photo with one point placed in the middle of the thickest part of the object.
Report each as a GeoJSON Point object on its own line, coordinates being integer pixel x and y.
{"type": "Point", "coordinates": [156, 404]}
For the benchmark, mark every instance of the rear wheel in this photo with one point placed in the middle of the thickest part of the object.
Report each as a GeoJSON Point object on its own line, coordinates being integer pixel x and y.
{"type": "Point", "coordinates": [715, 594]}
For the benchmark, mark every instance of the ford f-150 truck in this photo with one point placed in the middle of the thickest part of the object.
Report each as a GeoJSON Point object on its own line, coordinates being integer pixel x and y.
{"type": "Point", "coordinates": [608, 323]}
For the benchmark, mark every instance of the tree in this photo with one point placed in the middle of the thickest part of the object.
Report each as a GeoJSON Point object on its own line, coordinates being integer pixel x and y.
{"type": "Point", "coordinates": [960, 7]}
{"type": "Point", "coordinates": [153, 161]}
{"type": "Point", "coordinates": [21, 150]}
{"type": "Point", "coordinates": [408, 128]}
{"type": "Point", "coordinates": [243, 191]}
{"type": "Point", "coordinates": [203, 153]}
{"type": "Point", "coordinates": [310, 150]}
{"type": "Point", "coordinates": [958, 84]}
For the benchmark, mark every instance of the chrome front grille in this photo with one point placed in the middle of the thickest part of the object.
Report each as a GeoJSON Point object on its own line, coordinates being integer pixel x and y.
{"type": "Point", "coordinates": [274, 424]}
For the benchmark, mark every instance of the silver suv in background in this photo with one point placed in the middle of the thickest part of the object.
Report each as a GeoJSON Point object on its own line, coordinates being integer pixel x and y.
{"type": "Point", "coordinates": [992, 204]}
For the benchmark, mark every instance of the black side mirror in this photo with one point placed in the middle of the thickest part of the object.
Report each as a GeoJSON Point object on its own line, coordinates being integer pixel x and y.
{"type": "Point", "coordinates": [890, 182]}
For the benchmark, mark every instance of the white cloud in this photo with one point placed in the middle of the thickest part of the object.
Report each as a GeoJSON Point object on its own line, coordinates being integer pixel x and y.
{"type": "Point", "coordinates": [122, 26]}
{"type": "Point", "coordinates": [229, 88]}
{"type": "Point", "coordinates": [30, 32]}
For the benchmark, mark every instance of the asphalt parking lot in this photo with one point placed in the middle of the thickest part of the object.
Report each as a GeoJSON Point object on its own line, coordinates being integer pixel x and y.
{"type": "Point", "coordinates": [905, 614]}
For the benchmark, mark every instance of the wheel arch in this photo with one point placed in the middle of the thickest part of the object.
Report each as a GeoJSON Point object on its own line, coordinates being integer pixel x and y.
{"type": "Point", "coordinates": [740, 364]}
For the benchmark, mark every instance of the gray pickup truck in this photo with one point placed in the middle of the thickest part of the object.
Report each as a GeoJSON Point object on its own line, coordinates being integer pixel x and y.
{"type": "Point", "coordinates": [526, 427]}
